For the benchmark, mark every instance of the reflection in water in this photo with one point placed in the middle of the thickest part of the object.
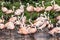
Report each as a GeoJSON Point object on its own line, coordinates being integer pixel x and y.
{"type": "Point", "coordinates": [6, 35]}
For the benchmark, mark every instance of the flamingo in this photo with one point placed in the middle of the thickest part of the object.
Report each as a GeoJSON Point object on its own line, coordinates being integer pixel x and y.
{"type": "Point", "coordinates": [38, 9]}
{"type": "Point", "coordinates": [2, 25]}
{"type": "Point", "coordinates": [54, 30]}
{"type": "Point", "coordinates": [23, 29]}
{"type": "Point", "coordinates": [17, 12]}
{"type": "Point", "coordinates": [56, 7]}
{"type": "Point", "coordinates": [49, 8]}
{"type": "Point", "coordinates": [10, 25]}
{"type": "Point", "coordinates": [9, 11]}
{"type": "Point", "coordinates": [4, 9]}
{"type": "Point", "coordinates": [43, 7]}
{"type": "Point", "coordinates": [12, 19]}
{"type": "Point", "coordinates": [31, 28]}
{"type": "Point", "coordinates": [20, 10]}
{"type": "Point", "coordinates": [30, 8]}
{"type": "Point", "coordinates": [40, 20]}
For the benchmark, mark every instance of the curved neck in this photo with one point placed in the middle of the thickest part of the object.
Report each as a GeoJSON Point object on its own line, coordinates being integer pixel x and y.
{"type": "Point", "coordinates": [43, 3]}
{"type": "Point", "coordinates": [27, 4]}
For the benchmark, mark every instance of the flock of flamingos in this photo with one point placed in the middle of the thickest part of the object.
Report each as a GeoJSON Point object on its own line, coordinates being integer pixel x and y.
{"type": "Point", "coordinates": [41, 22]}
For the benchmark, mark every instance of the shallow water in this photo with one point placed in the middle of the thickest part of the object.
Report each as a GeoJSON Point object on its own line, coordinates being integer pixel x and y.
{"type": "Point", "coordinates": [13, 35]}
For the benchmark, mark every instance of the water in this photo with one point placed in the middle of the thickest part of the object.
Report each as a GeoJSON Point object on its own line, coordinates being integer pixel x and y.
{"type": "Point", "coordinates": [13, 35]}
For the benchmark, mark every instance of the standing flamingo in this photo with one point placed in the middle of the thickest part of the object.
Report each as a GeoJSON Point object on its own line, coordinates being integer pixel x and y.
{"type": "Point", "coordinates": [4, 9]}
{"type": "Point", "coordinates": [20, 10]}
{"type": "Point", "coordinates": [29, 8]}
